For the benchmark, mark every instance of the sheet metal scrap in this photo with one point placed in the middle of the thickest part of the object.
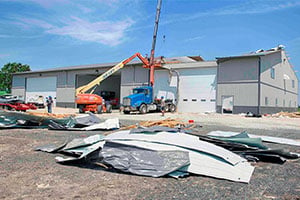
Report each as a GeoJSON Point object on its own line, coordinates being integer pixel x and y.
{"type": "Point", "coordinates": [142, 161]}
{"type": "Point", "coordinates": [9, 119]}
{"type": "Point", "coordinates": [259, 152]}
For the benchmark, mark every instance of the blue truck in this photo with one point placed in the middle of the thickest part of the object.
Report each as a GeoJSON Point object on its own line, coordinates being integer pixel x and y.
{"type": "Point", "coordinates": [142, 100]}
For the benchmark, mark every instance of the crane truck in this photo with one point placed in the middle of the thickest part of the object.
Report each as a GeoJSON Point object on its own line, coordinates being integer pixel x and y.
{"type": "Point", "coordinates": [87, 101]}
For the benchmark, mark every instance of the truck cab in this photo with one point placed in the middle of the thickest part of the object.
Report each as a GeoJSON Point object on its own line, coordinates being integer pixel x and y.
{"type": "Point", "coordinates": [142, 100]}
{"type": "Point", "coordinates": [138, 100]}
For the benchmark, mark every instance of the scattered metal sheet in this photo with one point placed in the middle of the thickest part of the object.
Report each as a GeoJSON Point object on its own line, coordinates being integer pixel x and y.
{"type": "Point", "coordinates": [243, 138]}
{"type": "Point", "coordinates": [226, 144]}
{"type": "Point", "coordinates": [278, 140]}
{"type": "Point", "coordinates": [109, 124]}
{"type": "Point", "coordinates": [201, 163]}
{"type": "Point", "coordinates": [50, 148]}
{"type": "Point", "coordinates": [154, 130]}
{"type": "Point", "coordinates": [82, 142]}
{"type": "Point", "coordinates": [87, 120]}
{"type": "Point", "coordinates": [181, 140]}
{"type": "Point", "coordinates": [140, 161]}
{"type": "Point", "coordinates": [9, 119]}
{"type": "Point", "coordinates": [84, 152]}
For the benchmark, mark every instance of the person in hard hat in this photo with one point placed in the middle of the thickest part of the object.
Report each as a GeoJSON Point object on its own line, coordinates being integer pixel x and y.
{"type": "Point", "coordinates": [49, 103]}
{"type": "Point", "coordinates": [162, 106]}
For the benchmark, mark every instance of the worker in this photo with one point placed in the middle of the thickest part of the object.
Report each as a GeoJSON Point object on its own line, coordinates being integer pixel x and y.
{"type": "Point", "coordinates": [49, 103]}
{"type": "Point", "coordinates": [162, 106]}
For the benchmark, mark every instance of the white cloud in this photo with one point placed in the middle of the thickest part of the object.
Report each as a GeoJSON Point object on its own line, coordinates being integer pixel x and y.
{"type": "Point", "coordinates": [109, 33]}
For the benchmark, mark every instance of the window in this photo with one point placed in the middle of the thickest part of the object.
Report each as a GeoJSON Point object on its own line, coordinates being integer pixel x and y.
{"type": "Point", "coordinates": [283, 103]}
{"type": "Point", "coordinates": [213, 100]}
{"type": "Point", "coordinates": [203, 100]}
{"type": "Point", "coordinates": [290, 103]}
{"type": "Point", "coordinates": [293, 83]}
{"type": "Point", "coordinates": [266, 101]}
{"type": "Point", "coordinates": [272, 73]}
{"type": "Point", "coordinates": [276, 102]}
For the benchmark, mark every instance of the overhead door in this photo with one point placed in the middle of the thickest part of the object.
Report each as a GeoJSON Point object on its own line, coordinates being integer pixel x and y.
{"type": "Point", "coordinates": [197, 90]}
{"type": "Point", "coordinates": [41, 86]}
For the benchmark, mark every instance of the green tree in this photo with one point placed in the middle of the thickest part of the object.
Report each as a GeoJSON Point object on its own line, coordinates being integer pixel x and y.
{"type": "Point", "coordinates": [6, 74]}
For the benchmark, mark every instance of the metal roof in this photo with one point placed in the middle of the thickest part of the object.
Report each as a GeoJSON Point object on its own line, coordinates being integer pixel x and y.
{"type": "Point", "coordinates": [203, 64]}
{"type": "Point", "coordinates": [183, 59]}
{"type": "Point", "coordinates": [252, 54]}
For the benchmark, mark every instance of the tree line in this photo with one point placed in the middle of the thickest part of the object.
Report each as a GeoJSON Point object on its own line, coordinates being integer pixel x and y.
{"type": "Point", "coordinates": [6, 74]}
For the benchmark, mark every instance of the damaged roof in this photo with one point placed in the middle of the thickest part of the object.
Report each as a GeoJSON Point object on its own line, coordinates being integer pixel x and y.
{"type": "Point", "coordinates": [182, 59]}
{"type": "Point", "coordinates": [257, 53]}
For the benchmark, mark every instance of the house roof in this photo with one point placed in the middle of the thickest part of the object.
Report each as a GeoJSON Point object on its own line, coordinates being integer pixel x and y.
{"type": "Point", "coordinates": [183, 59]}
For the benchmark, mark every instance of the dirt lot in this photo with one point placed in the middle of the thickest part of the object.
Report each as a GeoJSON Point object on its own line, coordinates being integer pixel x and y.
{"type": "Point", "coordinates": [27, 174]}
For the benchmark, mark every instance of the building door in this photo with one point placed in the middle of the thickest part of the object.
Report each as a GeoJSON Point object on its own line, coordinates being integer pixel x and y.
{"type": "Point", "coordinates": [227, 104]}
{"type": "Point", "coordinates": [41, 87]}
{"type": "Point", "coordinates": [197, 90]}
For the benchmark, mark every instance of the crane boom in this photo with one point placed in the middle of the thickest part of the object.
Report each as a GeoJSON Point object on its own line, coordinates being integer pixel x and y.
{"type": "Point", "coordinates": [154, 42]}
{"type": "Point", "coordinates": [83, 89]}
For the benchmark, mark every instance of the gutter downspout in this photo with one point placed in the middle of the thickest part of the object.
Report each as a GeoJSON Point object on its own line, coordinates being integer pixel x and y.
{"type": "Point", "coordinates": [259, 69]}
{"type": "Point", "coordinates": [177, 84]}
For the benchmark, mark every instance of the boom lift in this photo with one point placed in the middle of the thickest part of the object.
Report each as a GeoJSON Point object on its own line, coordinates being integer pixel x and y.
{"type": "Point", "coordinates": [87, 101]}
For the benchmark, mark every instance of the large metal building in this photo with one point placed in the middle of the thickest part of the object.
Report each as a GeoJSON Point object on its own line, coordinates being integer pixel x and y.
{"type": "Point", "coordinates": [189, 81]}
{"type": "Point", "coordinates": [259, 82]}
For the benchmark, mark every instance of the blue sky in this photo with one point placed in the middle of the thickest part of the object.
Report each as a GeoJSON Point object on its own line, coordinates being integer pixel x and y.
{"type": "Point", "coordinates": [55, 33]}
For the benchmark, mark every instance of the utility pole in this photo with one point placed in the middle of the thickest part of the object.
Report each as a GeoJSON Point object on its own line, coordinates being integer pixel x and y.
{"type": "Point", "coordinates": [154, 42]}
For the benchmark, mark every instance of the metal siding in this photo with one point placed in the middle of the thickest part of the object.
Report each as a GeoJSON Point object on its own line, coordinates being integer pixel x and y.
{"type": "Point", "coordinates": [162, 85]}
{"type": "Point", "coordinates": [18, 81]}
{"type": "Point", "coordinates": [273, 93]}
{"type": "Point", "coordinates": [280, 63]}
{"type": "Point", "coordinates": [242, 69]}
{"type": "Point", "coordinates": [66, 95]}
{"type": "Point", "coordinates": [245, 94]}
{"type": "Point", "coordinates": [134, 74]}
{"type": "Point", "coordinates": [195, 85]}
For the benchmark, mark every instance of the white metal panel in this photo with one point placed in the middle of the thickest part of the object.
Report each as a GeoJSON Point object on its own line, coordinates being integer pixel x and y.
{"type": "Point", "coordinates": [180, 140]}
{"type": "Point", "coordinates": [201, 163]}
{"type": "Point", "coordinates": [197, 90]}
{"type": "Point", "coordinates": [41, 86]}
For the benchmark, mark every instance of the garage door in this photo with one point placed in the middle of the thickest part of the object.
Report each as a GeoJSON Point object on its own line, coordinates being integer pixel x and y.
{"type": "Point", "coordinates": [197, 90]}
{"type": "Point", "coordinates": [41, 86]}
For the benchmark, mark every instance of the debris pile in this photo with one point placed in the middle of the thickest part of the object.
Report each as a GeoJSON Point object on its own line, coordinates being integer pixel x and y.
{"type": "Point", "coordinates": [172, 123]}
{"type": "Point", "coordinates": [86, 122]}
{"type": "Point", "coordinates": [287, 114]}
{"type": "Point", "coordinates": [164, 151]}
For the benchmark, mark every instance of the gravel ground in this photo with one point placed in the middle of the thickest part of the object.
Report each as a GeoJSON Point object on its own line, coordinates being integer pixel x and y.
{"type": "Point", "coordinates": [26, 174]}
